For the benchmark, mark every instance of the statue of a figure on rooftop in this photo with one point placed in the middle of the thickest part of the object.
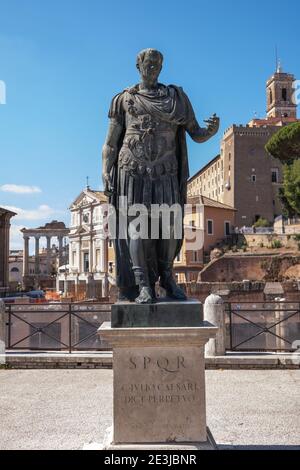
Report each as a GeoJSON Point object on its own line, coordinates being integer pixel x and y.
{"type": "Point", "coordinates": [145, 160]}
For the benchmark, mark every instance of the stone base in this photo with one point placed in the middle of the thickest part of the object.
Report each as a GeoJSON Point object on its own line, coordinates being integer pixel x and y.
{"type": "Point", "coordinates": [159, 384]}
{"type": "Point", "coordinates": [166, 313]}
{"type": "Point", "coordinates": [209, 444]}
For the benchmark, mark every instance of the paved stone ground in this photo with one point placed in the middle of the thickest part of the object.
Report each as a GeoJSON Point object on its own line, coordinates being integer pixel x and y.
{"type": "Point", "coordinates": [65, 409]}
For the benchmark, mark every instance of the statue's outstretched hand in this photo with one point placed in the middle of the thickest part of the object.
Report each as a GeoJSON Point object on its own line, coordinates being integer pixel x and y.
{"type": "Point", "coordinates": [213, 124]}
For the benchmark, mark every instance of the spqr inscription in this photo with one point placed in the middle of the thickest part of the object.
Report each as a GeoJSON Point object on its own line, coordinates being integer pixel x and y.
{"type": "Point", "coordinates": [164, 363]}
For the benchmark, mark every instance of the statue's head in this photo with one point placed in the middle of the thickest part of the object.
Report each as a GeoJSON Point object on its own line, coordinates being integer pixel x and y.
{"type": "Point", "coordinates": [149, 63]}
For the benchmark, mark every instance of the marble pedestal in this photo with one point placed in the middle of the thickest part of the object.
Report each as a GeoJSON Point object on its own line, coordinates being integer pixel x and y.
{"type": "Point", "coordinates": [159, 381]}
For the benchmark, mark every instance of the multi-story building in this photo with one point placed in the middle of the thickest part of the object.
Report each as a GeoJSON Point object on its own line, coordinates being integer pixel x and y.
{"type": "Point", "coordinates": [91, 258]}
{"type": "Point", "coordinates": [244, 175]}
{"type": "Point", "coordinates": [207, 223]}
{"type": "Point", "coordinates": [209, 181]}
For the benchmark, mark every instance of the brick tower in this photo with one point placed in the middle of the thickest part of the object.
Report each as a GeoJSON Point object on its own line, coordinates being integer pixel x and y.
{"type": "Point", "coordinates": [280, 91]}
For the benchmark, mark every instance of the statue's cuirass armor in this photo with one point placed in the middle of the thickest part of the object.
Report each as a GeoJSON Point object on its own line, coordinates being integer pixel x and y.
{"type": "Point", "coordinates": [149, 145]}
{"type": "Point", "coordinates": [147, 162]}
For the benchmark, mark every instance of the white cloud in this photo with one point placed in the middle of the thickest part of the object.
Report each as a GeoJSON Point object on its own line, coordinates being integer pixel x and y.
{"type": "Point", "coordinates": [41, 213]}
{"type": "Point", "coordinates": [20, 189]}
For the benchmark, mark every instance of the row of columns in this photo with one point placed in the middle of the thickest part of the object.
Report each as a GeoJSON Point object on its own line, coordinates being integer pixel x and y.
{"type": "Point", "coordinates": [37, 252]}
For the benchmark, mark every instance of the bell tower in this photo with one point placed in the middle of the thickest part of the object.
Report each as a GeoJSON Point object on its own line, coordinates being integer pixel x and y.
{"type": "Point", "coordinates": [280, 90]}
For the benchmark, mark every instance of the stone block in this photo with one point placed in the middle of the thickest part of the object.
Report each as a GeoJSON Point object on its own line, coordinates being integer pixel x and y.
{"type": "Point", "coordinates": [160, 314]}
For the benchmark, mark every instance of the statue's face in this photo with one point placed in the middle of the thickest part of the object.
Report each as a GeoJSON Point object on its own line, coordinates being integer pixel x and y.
{"type": "Point", "coordinates": [150, 68]}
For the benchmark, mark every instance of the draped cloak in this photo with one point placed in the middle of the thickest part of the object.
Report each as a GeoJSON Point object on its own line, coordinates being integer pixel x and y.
{"type": "Point", "coordinates": [171, 105]}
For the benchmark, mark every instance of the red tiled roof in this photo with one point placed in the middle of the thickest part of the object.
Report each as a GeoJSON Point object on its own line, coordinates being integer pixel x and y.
{"type": "Point", "coordinates": [273, 121]}
{"type": "Point", "coordinates": [206, 201]}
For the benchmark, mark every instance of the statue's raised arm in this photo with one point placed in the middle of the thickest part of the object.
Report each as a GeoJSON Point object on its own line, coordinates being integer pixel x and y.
{"type": "Point", "coordinates": [202, 134]}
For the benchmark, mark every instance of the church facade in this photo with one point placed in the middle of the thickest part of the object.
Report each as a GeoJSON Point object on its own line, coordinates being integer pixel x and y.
{"type": "Point", "coordinates": [89, 270]}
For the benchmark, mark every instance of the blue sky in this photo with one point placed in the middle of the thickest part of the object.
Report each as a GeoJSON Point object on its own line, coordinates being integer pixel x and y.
{"type": "Point", "coordinates": [63, 60]}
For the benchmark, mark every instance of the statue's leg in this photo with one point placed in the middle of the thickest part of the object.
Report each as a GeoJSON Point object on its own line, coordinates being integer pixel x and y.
{"type": "Point", "coordinates": [138, 253]}
{"type": "Point", "coordinates": [166, 252]}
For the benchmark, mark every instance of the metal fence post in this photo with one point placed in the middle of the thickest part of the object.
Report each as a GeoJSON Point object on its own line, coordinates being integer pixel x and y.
{"type": "Point", "coordinates": [2, 331]}
{"type": "Point", "coordinates": [230, 326]}
{"type": "Point", "coordinates": [70, 328]}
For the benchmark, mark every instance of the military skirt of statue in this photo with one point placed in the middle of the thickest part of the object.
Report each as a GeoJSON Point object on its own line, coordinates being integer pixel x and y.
{"type": "Point", "coordinates": [144, 180]}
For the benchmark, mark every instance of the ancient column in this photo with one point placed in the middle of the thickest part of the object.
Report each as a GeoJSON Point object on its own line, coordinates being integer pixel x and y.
{"type": "Point", "coordinates": [25, 255]}
{"type": "Point", "coordinates": [60, 249]}
{"type": "Point", "coordinates": [37, 255]}
{"type": "Point", "coordinates": [48, 254]}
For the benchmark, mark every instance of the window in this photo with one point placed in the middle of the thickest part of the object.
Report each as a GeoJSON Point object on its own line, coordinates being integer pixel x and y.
{"type": "Point", "coordinates": [14, 270]}
{"type": "Point", "coordinates": [253, 178]}
{"type": "Point", "coordinates": [110, 243]}
{"type": "Point", "coordinates": [271, 97]}
{"type": "Point", "coordinates": [209, 227]}
{"type": "Point", "coordinates": [274, 175]}
{"type": "Point", "coordinates": [73, 258]}
{"type": "Point", "coordinates": [284, 94]}
{"type": "Point", "coordinates": [86, 263]}
{"type": "Point", "coordinates": [227, 228]}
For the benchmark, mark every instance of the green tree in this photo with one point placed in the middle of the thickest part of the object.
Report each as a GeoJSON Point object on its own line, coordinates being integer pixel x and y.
{"type": "Point", "coordinates": [290, 191]}
{"type": "Point", "coordinates": [285, 144]}
{"type": "Point", "coordinates": [261, 222]}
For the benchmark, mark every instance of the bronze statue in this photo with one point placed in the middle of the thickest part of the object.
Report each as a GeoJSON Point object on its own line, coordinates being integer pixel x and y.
{"type": "Point", "coordinates": [145, 159]}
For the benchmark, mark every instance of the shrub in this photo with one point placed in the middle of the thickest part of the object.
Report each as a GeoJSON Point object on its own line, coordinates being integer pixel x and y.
{"type": "Point", "coordinates": [261, 222]}
{"type": "Point", "coordinates": [276, 244]}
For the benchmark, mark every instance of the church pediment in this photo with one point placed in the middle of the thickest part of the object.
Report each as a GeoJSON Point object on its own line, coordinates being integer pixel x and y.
{"type": "Point", "coordinates": [81, 231]}
{"type": "Point", "coordinates": [84, 199]}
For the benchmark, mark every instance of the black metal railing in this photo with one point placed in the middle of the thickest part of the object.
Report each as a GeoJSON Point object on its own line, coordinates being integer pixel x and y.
{"type": "Point", "coordinates": [56, 326]}
{"type": "Point", "coordinates": [262, 326]}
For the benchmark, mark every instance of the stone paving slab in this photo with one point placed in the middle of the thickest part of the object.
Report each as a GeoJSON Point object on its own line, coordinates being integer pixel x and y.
{"type": "Point", "coordinates": [70, 409]}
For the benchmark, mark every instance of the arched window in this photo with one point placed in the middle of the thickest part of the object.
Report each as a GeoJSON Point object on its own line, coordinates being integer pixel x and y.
{"type": "Point", "coordinates": [271, 97]}
{"type": "Point", "coordinates": [14, 270]}
{"type": "Point", "coordinates": [284, 94]}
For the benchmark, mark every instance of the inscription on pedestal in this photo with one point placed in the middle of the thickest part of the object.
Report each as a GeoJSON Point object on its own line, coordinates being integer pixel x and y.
{"type": "Point", "coordinates": [159, 395]}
